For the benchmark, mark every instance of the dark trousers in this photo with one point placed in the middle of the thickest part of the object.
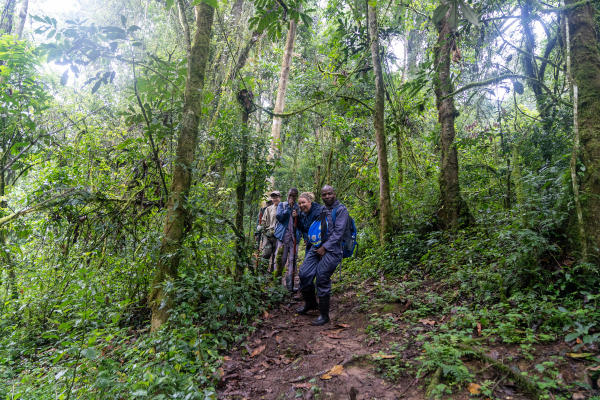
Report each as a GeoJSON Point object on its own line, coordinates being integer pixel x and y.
{"type": "Point", "coordinates": [319, 268]}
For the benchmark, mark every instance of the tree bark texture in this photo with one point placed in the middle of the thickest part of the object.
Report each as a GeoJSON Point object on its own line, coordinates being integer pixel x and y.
{"type": "Point", "coordinates": [385, 205]}
{"type": "Point", "coordinates": [173, 234]}
{"type": "Point", "coordinates": [22, 18]}
{"type": "Point", "coordinates": [585, 67]}
{"type": "Point", "coordinates": [453, 211]}
{"type": "Point", "coordinates": [6, 18]}
{"type": "Point", "coordinates": [280, 101]}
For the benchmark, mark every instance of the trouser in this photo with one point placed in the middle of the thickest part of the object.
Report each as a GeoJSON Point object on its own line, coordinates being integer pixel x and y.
{"type": "Point", "coordinates": [285, 254]}
{"type": "Point", "coordinates": [270, 245]}
{"type": "Point", "coordinates": [320, 268]}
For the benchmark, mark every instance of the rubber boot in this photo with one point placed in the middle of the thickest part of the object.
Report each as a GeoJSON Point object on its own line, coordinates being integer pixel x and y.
{"type": "Point", "coordinates": [288, 283]}
{"type": "Point", "coordinates": [324, 310]}
{"type": "Point", "coordinates": [310, 302]}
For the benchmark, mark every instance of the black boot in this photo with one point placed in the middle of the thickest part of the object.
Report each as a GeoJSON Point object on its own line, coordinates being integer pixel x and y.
{"type": "Point", "coordinates": [324, 310]}
{"type": "Point", "coordinates": [310, 302]}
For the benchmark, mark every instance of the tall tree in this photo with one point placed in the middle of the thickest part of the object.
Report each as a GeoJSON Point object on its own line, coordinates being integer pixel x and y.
{"type": "Point", "coordinates": [585, 67]}
{"type": "Point", "coordinates": [453, 209]}
{"type": "Point", "coordinates": [385, 205]}
{"type": "Point", "coordinates": [283, 81]}
{"type": "Point", "coordinates": [6, 18]}
{"type": "Point", "coordinates": [173, 234]}
{"type": "Point", "coordinates": [22, 18]}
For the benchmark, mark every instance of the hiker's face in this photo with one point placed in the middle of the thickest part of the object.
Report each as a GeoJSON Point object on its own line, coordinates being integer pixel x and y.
{"type": "Point", "coordinates": [276, 199]}
{"type": "Point", "coordinates": [304, 205]}
{"type": "Point", "coordinates": [292, 196]}
{"type": "Point", "coordinates": [328, 196]}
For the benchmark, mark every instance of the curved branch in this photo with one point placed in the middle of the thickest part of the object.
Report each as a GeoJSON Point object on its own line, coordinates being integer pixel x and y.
{"type": "Point", "coordinates": [500, 78]}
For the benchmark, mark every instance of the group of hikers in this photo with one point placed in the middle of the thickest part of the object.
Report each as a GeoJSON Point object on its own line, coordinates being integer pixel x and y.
{"type": "Point", "coordinates": [325, 230]}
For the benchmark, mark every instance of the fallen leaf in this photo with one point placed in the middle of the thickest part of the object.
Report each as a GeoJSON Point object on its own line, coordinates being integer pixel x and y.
{"type": "Point", "coordinates": [579, 341]}
{"type": "Point", "coordinates": [579, 355]}
{"type": "Point", "coordinates": [286, 361]}
{"type": "Point", "coordinates": [473, 388]}
{"type": "Point", "coordinates": [266, 315]}
{"type": "Point", "coordinates": [342, 325]}
{"type": "Point", "coordinates": [278, 339]}
{"type": "Point", "coordinates": [427, 322]}
{"type": "Point", "coordinates": [260, 377]}
{"type": "Point", "coordinates": [227, 358]}
{"type": "Point", "coordinates": [479, 328]}
{"type": "Point", "coordinates": [257, 341]}
{"type": "Point", "coordinates": [379, 356]}
{"type": "Point", "coordinates": [579, 396]}
{"type": "Point", "coordinates": [596, 368]}
{"type": "Point", "coordinates": [334, 332]}
{"type": "Point", "coordinates": [270, 334]}
{"type": "Point", "coordinates": [335, 371]}
{"type": "Point", "coordinates": [258, 350]}
{"type": "Point", "coordinates": [265, 364]}
{"type": "Point", "coordinates": [334, 336]}
{"type": "Point", "coordinates": [304, 385]}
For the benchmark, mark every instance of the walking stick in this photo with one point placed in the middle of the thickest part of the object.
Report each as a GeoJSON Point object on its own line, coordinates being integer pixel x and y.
{"type": "Point", "coordinates": [295, 254]}
{"type": "Point", "coordinates": [259, 236]}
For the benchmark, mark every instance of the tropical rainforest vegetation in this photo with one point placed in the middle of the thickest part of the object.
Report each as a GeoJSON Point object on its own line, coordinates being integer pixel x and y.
{"type": "Point", "coordinates": [138, 139]}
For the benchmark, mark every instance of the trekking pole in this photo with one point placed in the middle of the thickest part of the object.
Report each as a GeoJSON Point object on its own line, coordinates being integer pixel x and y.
{"type": "Point", "coordinates": [259, 236]}
{"type": "Point", "coordinates": [295, 254]}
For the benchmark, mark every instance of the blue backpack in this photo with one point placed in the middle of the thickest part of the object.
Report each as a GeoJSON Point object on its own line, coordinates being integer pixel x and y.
{"type": "Point", "coordinates": [320, 225]}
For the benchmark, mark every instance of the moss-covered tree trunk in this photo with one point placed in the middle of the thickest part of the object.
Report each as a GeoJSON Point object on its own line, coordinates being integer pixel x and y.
{"type": "Point", "coordinates": [453, 210]}
{"type": "Point", "coordinates": [385, 205]}
{"type": "Point", "coordinates": [585, 67]}
{"type": "Point", "coordinates": [173, 234]}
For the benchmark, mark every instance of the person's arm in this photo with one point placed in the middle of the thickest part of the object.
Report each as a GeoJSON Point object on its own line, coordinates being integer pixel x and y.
{"type": "Point", "coordinates": [283, 213]}
{"type": "Point", "coordinates": [341, 218]}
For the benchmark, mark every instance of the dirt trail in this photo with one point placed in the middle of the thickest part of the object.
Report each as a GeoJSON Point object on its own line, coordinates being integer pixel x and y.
{"type": "Point", "coordinates": [292, 356]}
{"type": "Point", "coordinates": [287, 358]}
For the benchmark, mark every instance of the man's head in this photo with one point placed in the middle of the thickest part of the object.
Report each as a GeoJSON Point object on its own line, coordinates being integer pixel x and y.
{"type": "Point", "coordinates": [328, 195]}
{"type": "Point", "coordinates": [305, 202]}
{"type": "Point", "coordinates": [292, 195]}
{"type": "Point", "coordinates": [275, 197]}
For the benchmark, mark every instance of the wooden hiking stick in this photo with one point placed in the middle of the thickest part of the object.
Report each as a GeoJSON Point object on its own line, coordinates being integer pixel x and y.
{"type": "Point", "coordinates": [295, 254]}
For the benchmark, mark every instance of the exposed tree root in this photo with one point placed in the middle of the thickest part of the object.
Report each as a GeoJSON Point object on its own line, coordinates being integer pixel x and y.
{"type": "Point", "coordinates": [521, 381]}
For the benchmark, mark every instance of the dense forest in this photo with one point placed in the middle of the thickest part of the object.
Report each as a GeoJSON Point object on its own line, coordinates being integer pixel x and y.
{"type": "Point", "coordinates": [140, 140]}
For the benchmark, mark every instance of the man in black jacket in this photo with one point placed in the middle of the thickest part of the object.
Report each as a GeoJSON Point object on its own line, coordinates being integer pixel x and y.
{"type": "Point", "coordinates": [320, 263]}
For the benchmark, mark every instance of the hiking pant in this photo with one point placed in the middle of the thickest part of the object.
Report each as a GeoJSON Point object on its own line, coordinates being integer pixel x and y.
{"type": "Point", "coordinates": [270, 247]}
{"type": "Point", "coordinates": [321, 269]}
{"type": "Point", "coordinates": [286, 254]}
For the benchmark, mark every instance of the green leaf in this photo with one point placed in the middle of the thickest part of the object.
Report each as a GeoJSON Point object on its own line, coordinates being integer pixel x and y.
{"type": "Point", "coordinates": [123, 20]}
{"type": "Point", "coordinates": [440, 12]}
{"type": "Point", "coordinates": [136, 44]}
{"type": "Point", "coordinates": [89, 352]}
{"type": "Point", "coordinates": [74, 69]}
{"type": "Point", "coordinates": [64, 78]}
{"type": "Point", "coordinates": [133, 28]}
{"type": "Point", "coordinates": [96, 86]}
{"type": "Point", "coordinates": [469, 13]}
{"type": "Point", "coordinates": [519, 88]}
{"type": "Point", "coordinates": [453, 18]}
{"type": "Point", "coordinates": [571, 336]}
{"type": "Point", "coordinates": [212, 3]}
{"type": "Point", "coordinates": [169, 4]}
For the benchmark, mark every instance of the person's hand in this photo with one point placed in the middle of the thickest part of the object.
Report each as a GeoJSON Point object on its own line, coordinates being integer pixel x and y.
{"type": "Point", "coordinates": [321, 251]}
{"type": "Point", "coordinates": [294, 213]}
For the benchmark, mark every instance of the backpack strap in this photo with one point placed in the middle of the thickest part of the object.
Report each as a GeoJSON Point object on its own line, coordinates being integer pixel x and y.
{"type": "Point", "coordinates": [333, 213]}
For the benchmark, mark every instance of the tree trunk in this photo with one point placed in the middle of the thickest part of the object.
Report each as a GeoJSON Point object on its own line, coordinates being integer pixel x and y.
{"type": "Point", "coordinates": [6, 18]}
{"type": "Point", "coordinates": [22, 18]}
{"type": "Point", "coordinates": [280, 101]}
{"type": "Point", "coordinates": [173, 234]}
{"type": "Point", "coordinates": [385, 206]}
{"type": "Point", "coordinates": [400, 159]}
{"type": "Point", "coordinates": [585, 67]}
{"type": "Point", "coordinates": [240, 191]}
{"type": "Point", "coordinates": [453, 210]}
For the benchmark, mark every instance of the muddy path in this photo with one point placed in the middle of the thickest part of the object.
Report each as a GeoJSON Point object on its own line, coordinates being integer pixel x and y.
{"type": "Point", "coordinates": [286, 357]}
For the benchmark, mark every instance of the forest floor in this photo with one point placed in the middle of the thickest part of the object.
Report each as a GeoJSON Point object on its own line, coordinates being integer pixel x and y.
{"type": "Point", "coordinates": [287, 357]}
